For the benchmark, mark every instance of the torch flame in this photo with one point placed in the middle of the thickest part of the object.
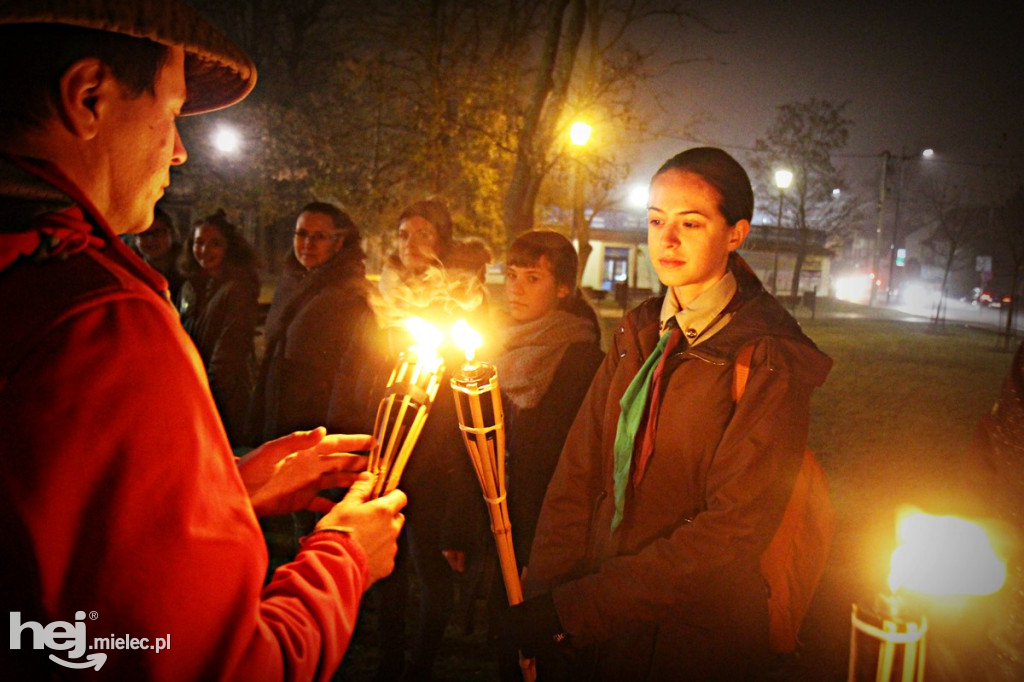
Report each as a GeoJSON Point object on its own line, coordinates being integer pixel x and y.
{"type": "Point", "coordinates": [426, 338]}
{"type": "Point", "coordinates": [944, 555]}
{"type": "Point", "coordinates": [466, 338]}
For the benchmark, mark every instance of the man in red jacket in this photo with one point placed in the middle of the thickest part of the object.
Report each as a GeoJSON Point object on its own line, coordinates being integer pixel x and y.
{"type": "Point", "coordinates": [130, 542]}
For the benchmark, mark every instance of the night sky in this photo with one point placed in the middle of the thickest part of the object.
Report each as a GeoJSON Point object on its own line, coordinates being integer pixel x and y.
{"type": "Point", "coordinates": [949, 76]}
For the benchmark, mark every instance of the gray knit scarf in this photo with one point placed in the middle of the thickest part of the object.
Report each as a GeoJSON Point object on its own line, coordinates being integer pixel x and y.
{"type": "Point", "coordinates": [532, 352]}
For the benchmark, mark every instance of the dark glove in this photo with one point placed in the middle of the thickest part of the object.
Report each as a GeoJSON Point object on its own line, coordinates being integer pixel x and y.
{"type": "Point", "coordinates": [533, 627]}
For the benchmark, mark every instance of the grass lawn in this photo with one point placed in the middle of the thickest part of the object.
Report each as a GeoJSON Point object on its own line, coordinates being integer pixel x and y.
{"type": "Point", "coordinates": [891, 426]}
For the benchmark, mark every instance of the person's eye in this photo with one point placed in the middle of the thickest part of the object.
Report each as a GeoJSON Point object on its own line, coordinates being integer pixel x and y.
{"type": "Point", "coordinates": [655, 222]}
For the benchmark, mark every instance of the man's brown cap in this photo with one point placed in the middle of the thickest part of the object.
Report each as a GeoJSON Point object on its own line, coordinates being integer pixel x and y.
{"type": "Point", "coordinates": [217, 72]}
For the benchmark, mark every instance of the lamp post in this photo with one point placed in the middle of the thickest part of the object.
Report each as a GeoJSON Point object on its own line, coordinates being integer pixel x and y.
{"type": "Point", "coordinates": [579, 134]}
{"type": "Point", "coordinates": [783, 179]}
{"type": "Point", "coordinates": [926, 154]}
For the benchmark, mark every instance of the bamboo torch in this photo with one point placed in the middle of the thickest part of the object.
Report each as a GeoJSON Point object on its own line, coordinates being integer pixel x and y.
{"type": "Point", "coordinates": [482, 424]}
{"type": "Point", "coordinates": [938, 557]}
{"type": "Point", "coordinates": [403, 411]}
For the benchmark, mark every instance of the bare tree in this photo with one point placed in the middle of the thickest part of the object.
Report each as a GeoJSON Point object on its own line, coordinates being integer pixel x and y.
{"type": "Point", "coordinates": [803, 138]}
{"type": "Point", "coordinates": [375, 104]}
{"type": "Point", "coordinates": [954, 224]}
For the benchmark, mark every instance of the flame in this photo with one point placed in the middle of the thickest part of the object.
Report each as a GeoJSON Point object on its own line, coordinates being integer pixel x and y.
{"type": "Point", "coordinates": [466, 338]}
{"type": "Point", "coordinates": [944, 555]}
{"type": "Point", "coordinates": [426, 338]}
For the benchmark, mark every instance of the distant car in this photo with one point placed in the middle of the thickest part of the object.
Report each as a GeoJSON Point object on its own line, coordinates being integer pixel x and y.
{"type": "Point", "coordinates": [987, 299]}
{"type": "Point", "coordinates": [984, 298]}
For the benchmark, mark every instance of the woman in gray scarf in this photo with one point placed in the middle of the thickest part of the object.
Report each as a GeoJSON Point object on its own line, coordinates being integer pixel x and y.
{"type": "Point", "coordinates": [551, 350]}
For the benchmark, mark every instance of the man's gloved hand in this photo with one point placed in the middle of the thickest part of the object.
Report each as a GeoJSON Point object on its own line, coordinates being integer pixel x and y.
{"type": "Point", "coordinates": [533, 627]}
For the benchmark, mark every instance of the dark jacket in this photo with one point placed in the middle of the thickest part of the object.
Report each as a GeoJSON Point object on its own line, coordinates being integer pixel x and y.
{"type": "Point", "coordinates": [219, 314]}
{"type": "Point", "coordinates": [319, 335]}
{"type": "Point", "coordinates": [675, 592]}
{"type": "Point", "coordinates": [168, 267]}
{"type": "Point", "coordinates": [534, 439]}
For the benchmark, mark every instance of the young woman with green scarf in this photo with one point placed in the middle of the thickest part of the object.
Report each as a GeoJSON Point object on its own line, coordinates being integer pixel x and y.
{"type": "Point", "coordinates": [645, 563]}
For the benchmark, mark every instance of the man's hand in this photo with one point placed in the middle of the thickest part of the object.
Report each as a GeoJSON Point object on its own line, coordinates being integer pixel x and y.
{"type": "Point", "coordinates": [374, 524]}
{"type": "Point", "coordinates": [285, 475]}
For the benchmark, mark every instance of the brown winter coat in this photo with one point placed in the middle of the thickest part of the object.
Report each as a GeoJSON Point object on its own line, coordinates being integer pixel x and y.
{"type": "Point", "coordinates": [675, 592]}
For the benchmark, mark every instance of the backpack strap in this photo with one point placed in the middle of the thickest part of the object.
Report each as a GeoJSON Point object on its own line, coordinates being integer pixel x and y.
{"type": "Point", "coordinates": [742, 371]}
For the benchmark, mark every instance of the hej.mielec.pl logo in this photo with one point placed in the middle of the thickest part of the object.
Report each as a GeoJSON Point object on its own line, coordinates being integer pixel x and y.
{"type": "Point", "coordinates": [70, 637]}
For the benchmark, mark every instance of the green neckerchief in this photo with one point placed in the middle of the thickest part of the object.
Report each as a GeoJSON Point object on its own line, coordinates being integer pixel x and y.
{"type": "Point", "coordinates": [633, 404]}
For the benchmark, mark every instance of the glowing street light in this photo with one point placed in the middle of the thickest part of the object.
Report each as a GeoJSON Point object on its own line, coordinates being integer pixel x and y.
{"type": "Point", "coordinates": [638, 196]}
{"type": "Point", "coordinates": [226, 139]}
{"type": "Point", "coordinates": [783, 179]}
{"type": "Point", "coordinates": [580, 132]}
{"type": "Point", "coordinates": [579, 135]}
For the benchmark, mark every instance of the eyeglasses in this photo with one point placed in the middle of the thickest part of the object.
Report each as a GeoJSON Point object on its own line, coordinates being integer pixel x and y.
{"type": "Point", "coordinates": [316, 237]}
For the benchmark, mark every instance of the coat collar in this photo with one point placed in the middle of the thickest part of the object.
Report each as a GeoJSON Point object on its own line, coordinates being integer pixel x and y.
{"type": "Point", "coordinates": [43, 214]}
{"type": "Point", "coordinates": [757, 316]}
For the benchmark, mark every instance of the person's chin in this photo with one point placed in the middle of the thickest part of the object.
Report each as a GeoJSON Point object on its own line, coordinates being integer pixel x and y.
{"type": "Point", "coordinates": [671, 276]}
{"type": "Point", "coordinates": [519, 314]}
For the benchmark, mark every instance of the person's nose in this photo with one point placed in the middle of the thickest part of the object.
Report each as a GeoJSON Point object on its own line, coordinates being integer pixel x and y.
{"type": "Point", "coordinates": [670, 235]}
{"type": "Point", "coordinates": [179, 154]}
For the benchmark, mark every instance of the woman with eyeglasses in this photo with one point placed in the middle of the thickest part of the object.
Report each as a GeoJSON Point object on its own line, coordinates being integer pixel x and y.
{"type": "Point", "coordinates": [318, 341]}
{"type": "Point", "coordinates": [316, 332]}
{"type": "Point", "coordinates": [219, 307]}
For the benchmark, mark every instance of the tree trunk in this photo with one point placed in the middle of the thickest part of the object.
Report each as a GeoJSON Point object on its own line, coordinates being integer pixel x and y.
{"type": "Point", "coordinates": [1011, 309]}
{"type": "Point", "coordinates": [940, 313]}
{"type": "Point", "coordinates": [543, 113]}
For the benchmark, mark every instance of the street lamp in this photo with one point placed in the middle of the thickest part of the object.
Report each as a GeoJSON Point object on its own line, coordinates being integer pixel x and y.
{"type": "Point", "coordinates": [783, 179]}
{"type": "Point", "coordinates": [926, 154]}
{"type": "Point", "coordinates": [579, 134]}
{"type": "Point", "coordinates": [226, 139]}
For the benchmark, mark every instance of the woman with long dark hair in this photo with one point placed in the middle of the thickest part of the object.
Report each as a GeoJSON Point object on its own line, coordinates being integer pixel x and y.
{"type": "Point", "coordinates": [219, 308]}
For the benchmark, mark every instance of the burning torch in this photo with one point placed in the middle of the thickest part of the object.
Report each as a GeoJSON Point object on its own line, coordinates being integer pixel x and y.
{"type": "Point", "coordinates": [482, 424]}
{"type": "Point", "coordinates": [403, 411]}
{"type": "Point", "coordinates": [938, 556]}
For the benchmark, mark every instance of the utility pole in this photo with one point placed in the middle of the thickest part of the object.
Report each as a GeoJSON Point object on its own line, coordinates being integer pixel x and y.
{"type": "Point", "coordinates": [878, 229]}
